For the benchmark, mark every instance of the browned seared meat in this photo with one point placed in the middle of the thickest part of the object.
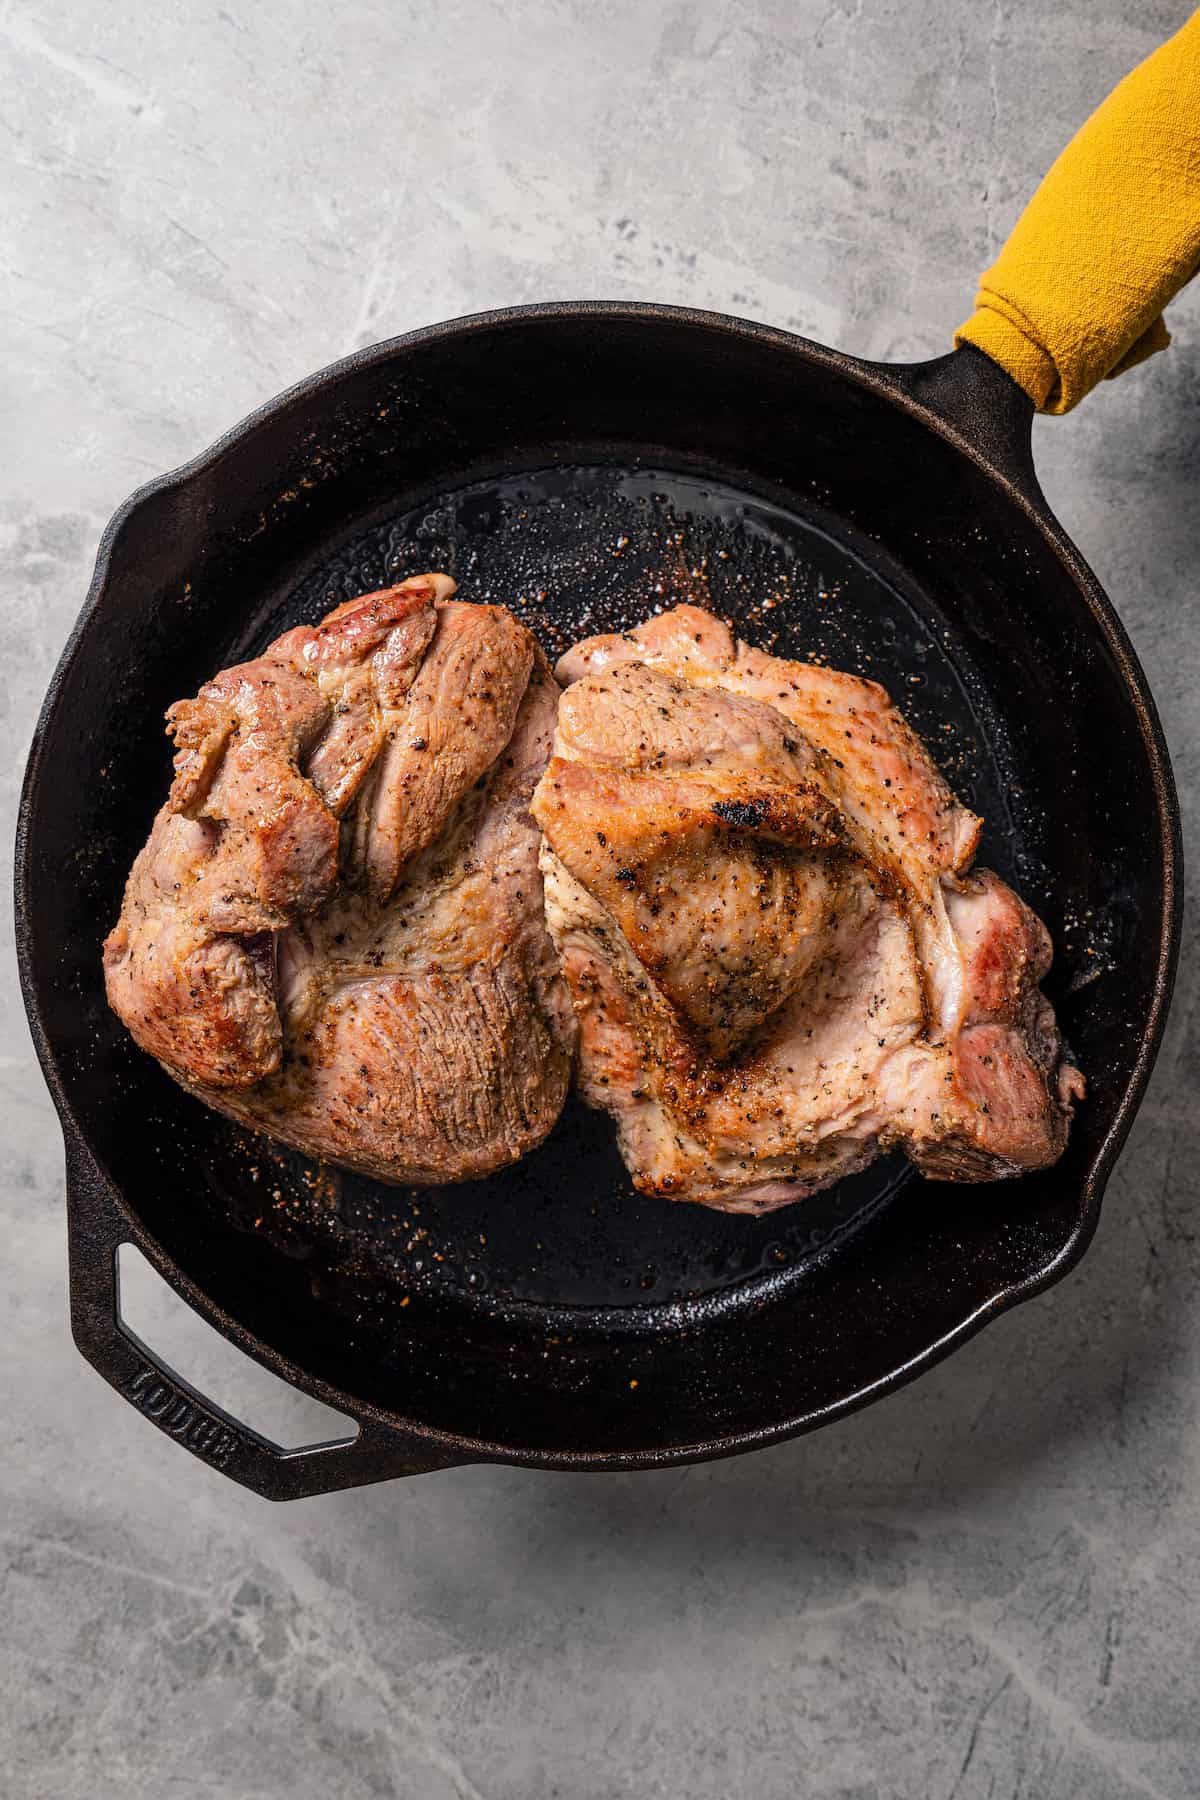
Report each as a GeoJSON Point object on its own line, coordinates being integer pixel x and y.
{"type": "Point", "coordinates": [758, 883]}
{"type": "Point", "coordinates": [335, 932]}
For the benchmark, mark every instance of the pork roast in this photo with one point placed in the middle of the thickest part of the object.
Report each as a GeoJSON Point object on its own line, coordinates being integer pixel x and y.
{"type": "Point", "coordinates": [781, 959]}
{"type": "Point", "coordinates": [335, 933]}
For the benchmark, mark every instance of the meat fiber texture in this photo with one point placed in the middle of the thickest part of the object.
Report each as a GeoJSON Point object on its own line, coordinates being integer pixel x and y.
{"type": "Point", "coordinates": [780, 957]}
{"type": "Point", "coordinates": [335, 933]}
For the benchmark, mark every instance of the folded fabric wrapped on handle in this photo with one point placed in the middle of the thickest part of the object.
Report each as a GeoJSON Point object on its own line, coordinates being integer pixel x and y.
{"type": "Point", "coordinates": [1110, 236]}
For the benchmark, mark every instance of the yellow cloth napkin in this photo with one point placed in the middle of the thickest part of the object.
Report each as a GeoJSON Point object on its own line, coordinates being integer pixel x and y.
{"type": "Point", "coordinates": [1110, 236]}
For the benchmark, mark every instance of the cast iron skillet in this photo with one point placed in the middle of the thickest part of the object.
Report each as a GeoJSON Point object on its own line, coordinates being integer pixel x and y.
{"type": "Point", "coordinates": [585, 463]}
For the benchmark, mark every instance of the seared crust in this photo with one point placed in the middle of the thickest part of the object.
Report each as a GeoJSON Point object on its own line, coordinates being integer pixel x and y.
{"type": "Point", "coordinates": [758, 883]}
{"type": "Point", "coordinates": [335, 931]}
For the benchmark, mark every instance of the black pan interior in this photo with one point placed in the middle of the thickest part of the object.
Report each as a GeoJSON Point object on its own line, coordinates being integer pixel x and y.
{"type": "Point", "coordinates": [595, 477]}
{"type": "Point", "coordinates": [573, 550]}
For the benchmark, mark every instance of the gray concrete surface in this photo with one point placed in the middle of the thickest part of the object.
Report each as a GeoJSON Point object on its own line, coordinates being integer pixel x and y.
{"type": "Point", "coordinates": [987, 1588]}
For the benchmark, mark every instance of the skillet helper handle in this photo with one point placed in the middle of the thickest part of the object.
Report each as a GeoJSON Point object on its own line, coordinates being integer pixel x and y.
{"type": "Point", "coordinates": [95, 1233]}
{"type": "Point", "coordinates": [1111, 235]}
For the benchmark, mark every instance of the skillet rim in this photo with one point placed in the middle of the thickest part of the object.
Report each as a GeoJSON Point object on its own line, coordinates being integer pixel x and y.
{"type": "Point", "coordinates": [947, 410]}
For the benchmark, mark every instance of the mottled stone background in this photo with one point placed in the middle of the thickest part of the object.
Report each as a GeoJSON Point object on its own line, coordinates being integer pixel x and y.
{"type": "Point", "coordinates": [987, 1588]}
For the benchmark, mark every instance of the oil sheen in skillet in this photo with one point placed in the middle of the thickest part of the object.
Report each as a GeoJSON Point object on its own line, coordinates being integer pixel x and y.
{"type": "Point", "coordinates": [575, 551]}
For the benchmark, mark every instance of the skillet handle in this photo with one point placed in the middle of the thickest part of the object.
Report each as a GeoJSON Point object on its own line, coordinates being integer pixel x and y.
{"type": "Point", "coordinates": [982, 404]}
{"type": "Point", "coordinates": [96, 1231]}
